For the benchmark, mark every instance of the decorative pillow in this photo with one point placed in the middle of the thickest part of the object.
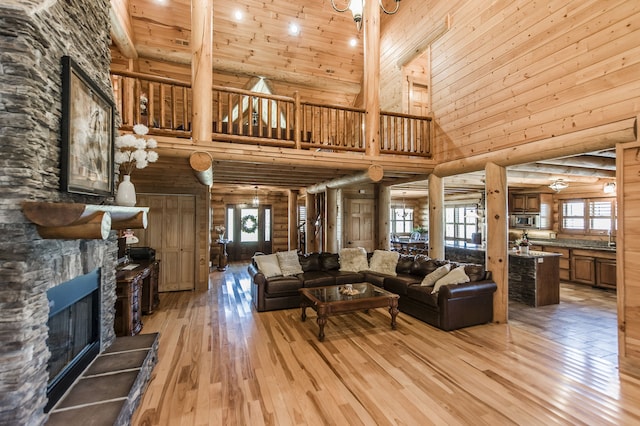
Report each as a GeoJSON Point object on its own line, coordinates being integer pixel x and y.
{"type": "Point", "coordinates": [329, 261]}
{"type": "Point", "coordinates": [475, 272]}
{"type": "Point", "coordinates": [289, 262]}
{"type": "Point", "coordinates": [431, 278]}
{"type": "Point", "coordinates": [353, 259]}
{"type": "Point", "coordinates": [404, 264]}
{"type": "Point", "coordinates": [423, 265]}
{"type": "Point", "coordinates": [268, 265]}
{"type": "Point", "coordinates": [457, 276]}
{"type": "Point", "coordinates": [384, 262]}
{"type": "Point", "coordinates": [310, 262]}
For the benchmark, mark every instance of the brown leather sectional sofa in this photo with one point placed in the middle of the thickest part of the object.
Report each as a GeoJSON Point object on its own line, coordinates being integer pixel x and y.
{"type": "Point", "coordinates": [451, 308]}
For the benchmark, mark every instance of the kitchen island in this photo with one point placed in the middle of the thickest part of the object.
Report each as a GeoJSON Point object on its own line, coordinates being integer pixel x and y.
{"type": "Point", "coordinates": [534, 278]}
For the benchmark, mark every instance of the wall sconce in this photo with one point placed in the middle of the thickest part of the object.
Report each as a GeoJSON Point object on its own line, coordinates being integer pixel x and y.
{"type": "Point", "coordinates": [609, 188]}
{"type": "Point", "coordinates": [357, 7]}
{"type": "Point", "coordinates": [559, 185]}
{"type": "Point", "coordinates": [256, 200]}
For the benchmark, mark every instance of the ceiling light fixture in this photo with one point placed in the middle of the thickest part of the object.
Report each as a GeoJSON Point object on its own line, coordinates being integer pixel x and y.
{"type": "Point", "coordinates": [357, 8]}
{"type": "Point", "coordinates": [559, 185]}
{"type": "Point", "coordinates": [294, 29]}
{"type": "Point", "coordinates": [609, 188]}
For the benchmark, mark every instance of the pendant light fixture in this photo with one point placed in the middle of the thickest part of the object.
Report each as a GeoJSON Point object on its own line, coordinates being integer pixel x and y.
{"type": "Point", "coordinates": [357, 9]}
{"type": "Point", "coordinates": [256, 200]}
{"type": "Point", "coordinates": [558, 185]}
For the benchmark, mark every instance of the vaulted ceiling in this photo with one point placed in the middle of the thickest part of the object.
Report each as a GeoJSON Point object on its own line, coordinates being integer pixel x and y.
{"type": "Point", "coordinates": [323, 62]}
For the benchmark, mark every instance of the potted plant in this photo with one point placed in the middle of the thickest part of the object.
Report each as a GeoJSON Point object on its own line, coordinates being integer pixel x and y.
{"type": "Point", "coordinates": [523, 243]}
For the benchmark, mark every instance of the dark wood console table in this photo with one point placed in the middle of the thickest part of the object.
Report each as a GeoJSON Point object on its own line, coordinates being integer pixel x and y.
{"type": "Point", "coordinates": [136, 294]}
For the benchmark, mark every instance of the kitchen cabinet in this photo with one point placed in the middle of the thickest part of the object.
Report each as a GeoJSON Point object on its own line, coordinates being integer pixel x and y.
{"type": "Point", "coordinates": [606, 273]}
{"type": "Point", "coordinates": [583, 269]}
{"type": "Point", "coordinates": [525, 203]}
{"type": "Point", "coordinates": [540, 204]}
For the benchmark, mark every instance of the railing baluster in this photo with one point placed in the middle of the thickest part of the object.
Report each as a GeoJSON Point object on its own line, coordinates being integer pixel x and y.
{"type": "Point", "coordinates": [280, 120]}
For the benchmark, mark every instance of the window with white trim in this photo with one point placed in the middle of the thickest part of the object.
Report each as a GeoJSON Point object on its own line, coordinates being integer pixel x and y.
{"type": "Point", "coordinates": [460, 222]}
{"type": "Point", "coordinates": [588, 216]}
{"type": "Point", "coordinates": [401, 220]}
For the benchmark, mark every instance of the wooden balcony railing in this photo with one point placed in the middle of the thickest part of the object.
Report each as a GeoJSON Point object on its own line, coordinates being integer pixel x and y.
{"type": "Point", "coordinates": [243, 116]}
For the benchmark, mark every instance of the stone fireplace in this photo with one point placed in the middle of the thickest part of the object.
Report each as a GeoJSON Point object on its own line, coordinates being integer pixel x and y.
{"type": "Point", "coordinates": [35, 36]}
{"type": "Point", "coordinates": [73, 332]}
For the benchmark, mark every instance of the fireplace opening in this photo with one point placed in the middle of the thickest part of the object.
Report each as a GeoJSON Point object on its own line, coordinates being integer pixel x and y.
{"type": "Point", "coordinates": [74, 332]}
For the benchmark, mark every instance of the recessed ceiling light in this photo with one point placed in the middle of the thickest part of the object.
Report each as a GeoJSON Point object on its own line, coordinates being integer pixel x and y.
{"type": "Point", "coordinates": [353, 42]}
{"type": "Point", "coordinates": [294, 29]}
{"type": "Point", "coordinates": [238, 15]}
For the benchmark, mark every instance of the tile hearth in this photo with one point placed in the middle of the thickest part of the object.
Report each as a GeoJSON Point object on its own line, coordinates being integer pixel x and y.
{"type": "Point", "coordinates": [109, 390]}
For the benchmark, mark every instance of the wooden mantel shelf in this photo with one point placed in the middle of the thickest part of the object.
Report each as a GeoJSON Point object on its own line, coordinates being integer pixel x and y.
{"type": "Point", "coordinates": [82, 221]}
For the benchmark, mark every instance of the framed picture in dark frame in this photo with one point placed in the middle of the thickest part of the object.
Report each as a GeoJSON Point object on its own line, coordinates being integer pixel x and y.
{"type": "Point", "coordinates": [87, 134]}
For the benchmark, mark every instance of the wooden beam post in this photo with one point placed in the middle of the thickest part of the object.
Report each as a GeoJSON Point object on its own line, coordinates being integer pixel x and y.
{"type": "Point", "coordinates": [497, 253]}
{"type": "Point", "coordinates": [384, 223]}
{"type": "Point", "coordinates": [201, 69]}
{"type": "Point", "coordinates": [331, 233]}
{"type": "Point", "coordinates": [310, 231]}
{"type": "Point", "coordinates": [293, 219]}
{"type": "Point", "coordinates": [436, 217]}
{"type": "Point", "coordinates": [372, 77]}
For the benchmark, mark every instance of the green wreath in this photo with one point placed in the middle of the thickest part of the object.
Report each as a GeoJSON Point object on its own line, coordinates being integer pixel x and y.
{"type": "Point", "coordinates": [249, 224]}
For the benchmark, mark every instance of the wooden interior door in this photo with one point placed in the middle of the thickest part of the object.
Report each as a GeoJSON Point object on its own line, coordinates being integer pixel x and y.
{"type": "Point", "coordinates": [359, 223]}
{"type": "Point", "coordinates": [419, 103]}
{"type": "Point", "coordinates": [171, 232]}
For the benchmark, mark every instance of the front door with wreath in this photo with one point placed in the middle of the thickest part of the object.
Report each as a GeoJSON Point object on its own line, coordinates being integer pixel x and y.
{"type": "Point", "coordinates": [251, 231]}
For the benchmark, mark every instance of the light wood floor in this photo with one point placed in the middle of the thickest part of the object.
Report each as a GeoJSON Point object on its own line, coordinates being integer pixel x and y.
{"type": "Point", "coordinates": [222, 363]}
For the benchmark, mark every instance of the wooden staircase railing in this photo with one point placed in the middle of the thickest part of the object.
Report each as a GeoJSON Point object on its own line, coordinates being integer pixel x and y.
{"type": "Point", "coordinates": [242, 116]}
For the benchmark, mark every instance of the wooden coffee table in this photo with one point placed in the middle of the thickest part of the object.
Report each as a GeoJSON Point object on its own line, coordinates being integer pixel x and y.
{"type": "Point", "coordinates": [331, 300]}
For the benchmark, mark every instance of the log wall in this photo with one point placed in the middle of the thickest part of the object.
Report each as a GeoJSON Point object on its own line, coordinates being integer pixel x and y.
{"type": "Point", "coordinates": [510, 72]}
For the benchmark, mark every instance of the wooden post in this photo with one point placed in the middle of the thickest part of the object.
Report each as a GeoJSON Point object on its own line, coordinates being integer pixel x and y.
{"type": "Point", "coordinates": [436, 217]}
{"type": "Point", "coordinates": [372, 77]}
{"type": "Point", "coordinates": [331, 233]}
{"type": "Point", "coordinates": [293, 219]}
{"type": "Point", "coordinates": [201, 69]}
{"type": "Point", "coordinates": [384, 229]}
{"type": "Point", "coordinates": [297, 117]}
{"type": "Point", "coordinates": [310, 231]}
{"type": "Point", "coordinates": [497, 253]}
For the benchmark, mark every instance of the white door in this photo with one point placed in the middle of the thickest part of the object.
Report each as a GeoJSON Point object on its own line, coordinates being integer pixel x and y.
{"type": "Point", "coordinates": [359, 224]}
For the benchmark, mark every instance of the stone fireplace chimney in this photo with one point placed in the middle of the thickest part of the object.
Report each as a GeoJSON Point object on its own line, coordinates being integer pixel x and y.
{"type": "Point", "coordinates": [34, 38]}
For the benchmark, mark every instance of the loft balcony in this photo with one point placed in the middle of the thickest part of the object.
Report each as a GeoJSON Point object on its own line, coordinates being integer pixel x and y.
{"type": "Point", "coordinates": [248, 117]}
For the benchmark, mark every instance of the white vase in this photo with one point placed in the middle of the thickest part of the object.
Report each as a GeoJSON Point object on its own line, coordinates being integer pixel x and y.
{"type": "Point", "coordinates": [126, 195]}
{"type": "Point", "coordinates": [524, 250]}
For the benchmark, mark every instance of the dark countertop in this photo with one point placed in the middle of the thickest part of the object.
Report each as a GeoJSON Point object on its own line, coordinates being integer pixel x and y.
{"type": "Point", "coordinates": [534, 254]}
{"type": "Point", "coordinates": [576, 244]}
{"type": "Point", "coordinates": [463, 245]}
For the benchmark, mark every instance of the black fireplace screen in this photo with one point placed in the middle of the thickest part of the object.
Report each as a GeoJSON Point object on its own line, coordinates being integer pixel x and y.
{"type": "Point", "coordinates": [74, 331]}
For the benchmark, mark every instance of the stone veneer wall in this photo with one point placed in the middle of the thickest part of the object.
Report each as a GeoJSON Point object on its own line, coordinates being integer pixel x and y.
{"type": "Point", "coordinates": [34, 35]}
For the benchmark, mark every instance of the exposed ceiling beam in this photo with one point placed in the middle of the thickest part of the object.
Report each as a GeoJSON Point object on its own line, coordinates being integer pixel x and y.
{"type": "Point", "coordinates": [584, 161]}
{"type": "Point", "coordinates": [547, 167]}
{"type": "Point", "coordinates": [121, 32]}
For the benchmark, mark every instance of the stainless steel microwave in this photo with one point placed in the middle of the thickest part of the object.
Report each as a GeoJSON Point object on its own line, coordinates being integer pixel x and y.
{"type": "Point", "coordinates": [531, 221]}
